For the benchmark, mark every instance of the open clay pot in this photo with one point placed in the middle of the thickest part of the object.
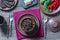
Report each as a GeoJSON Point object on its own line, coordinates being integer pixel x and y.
{"type": "Point", "coordinates": [54, 24]}
{"type": "Point", "coordinates": [28, 24]}
{"type": "Point", "coordinates": [3, 25]}
{"type": "Point", "coordinates": [7, 4]}
{"type": "Point", "coordinates": [48, 7]}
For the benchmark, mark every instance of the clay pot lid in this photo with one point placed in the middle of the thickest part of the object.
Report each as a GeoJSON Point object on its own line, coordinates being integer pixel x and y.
{"type": "Point", "coordinates": [52, 12]}
{"type": "Point", "coordinates": [27, 24]}
{"type": "Point", "coordinates": [7, 5]}
{"type": "Point", "coordinates": [54, 24]}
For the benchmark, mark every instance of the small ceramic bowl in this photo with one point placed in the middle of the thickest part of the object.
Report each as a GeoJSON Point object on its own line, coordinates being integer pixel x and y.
{"type": "Point", "coordinates": [28, 24]}
{"type": "Point", "coordinates": [26, 4]}
{"type": "Point", "coordinates": [48, 7]}
{"type": "Point", "coordinates": [53, 24]}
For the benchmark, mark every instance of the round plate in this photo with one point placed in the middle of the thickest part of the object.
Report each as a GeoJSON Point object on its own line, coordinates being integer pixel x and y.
{"type": "Point", "coordinates": [6, 4]}
{"type": "Point", "coordinates": [45, 12]}
{"type": "Point", "coordinates": [32, 31]}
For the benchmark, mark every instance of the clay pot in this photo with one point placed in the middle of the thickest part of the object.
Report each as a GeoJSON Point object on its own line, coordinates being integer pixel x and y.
{"type": "Point", "coordinates": [28, 24]}
{"type": "Point", "coordinates": [54, 24]}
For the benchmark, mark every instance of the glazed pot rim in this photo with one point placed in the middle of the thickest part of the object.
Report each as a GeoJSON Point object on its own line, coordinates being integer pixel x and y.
{"type": "Point", "coordinates": [20, 22]}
